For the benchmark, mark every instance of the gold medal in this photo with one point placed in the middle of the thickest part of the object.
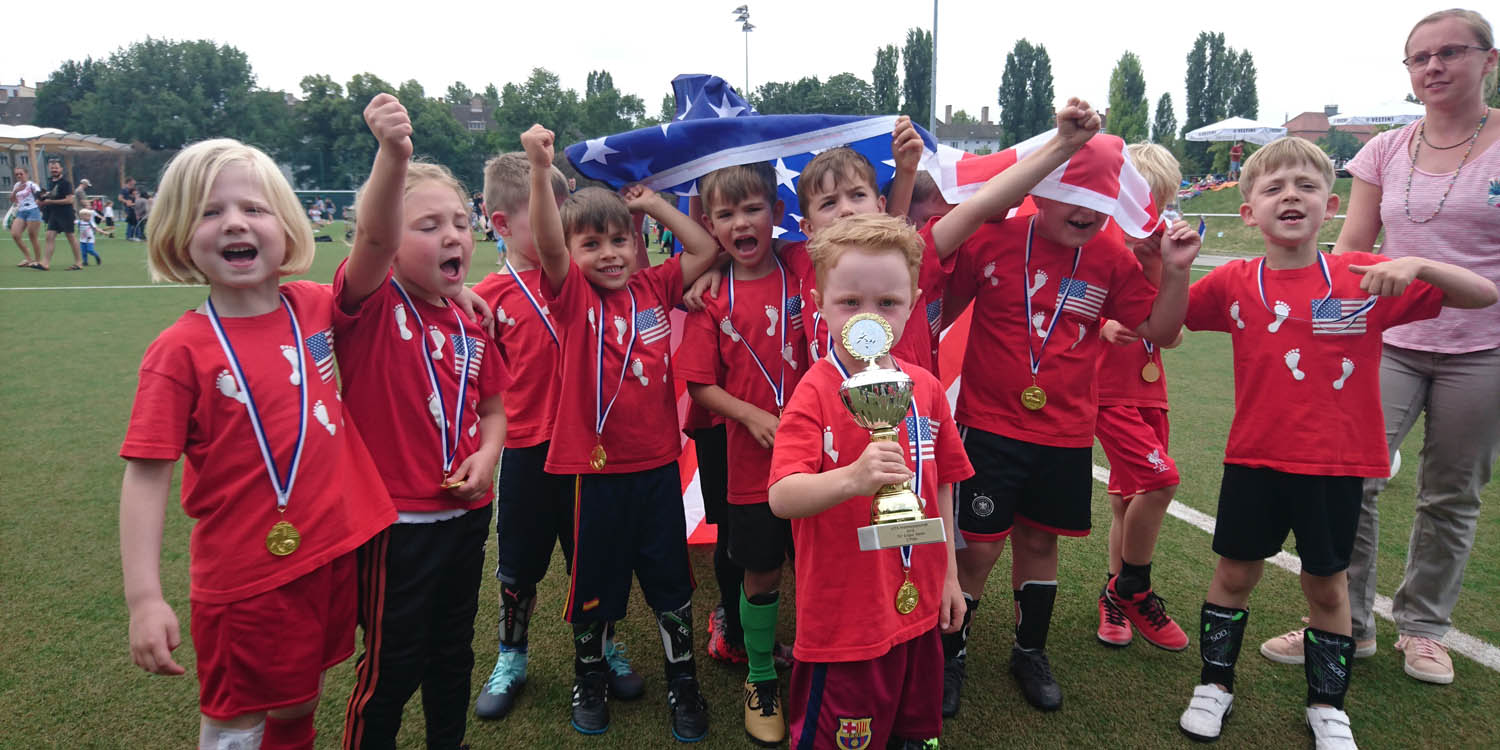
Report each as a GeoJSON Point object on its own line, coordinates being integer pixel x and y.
{"type": "Point", "coordinates": [906, 597]}
{"type": "Point", "coordinates": [1150, 373]}
{"type": "Point", "coordinates": [597, 458]}
{"type": "Point", "coordinates": [283, 539]}
{"type": "Point", "coordinates": [453, 485]}
{"type": "Point", "coordinates": [1033, 397]}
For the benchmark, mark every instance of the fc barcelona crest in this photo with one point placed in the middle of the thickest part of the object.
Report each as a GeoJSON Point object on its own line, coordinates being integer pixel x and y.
{"type": "Point", "coordinates": [853, 734]}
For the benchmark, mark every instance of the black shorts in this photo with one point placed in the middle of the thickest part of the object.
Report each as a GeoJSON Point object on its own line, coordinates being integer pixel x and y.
{"type": "Point", "coordinates": [1042, 486]}
{"type": "Point", "coordinates": [61, 219]}
{"type": "Point", "coordinates": [628, 524]}
{"type": "Point", "coordinates": [758, 541]}
{"type": "Point", "coordinates": [1258, 507]}
{"type": "Point", "coordinates": [712, 447]}
{"type": "Point", "coordinates": [533, 509]}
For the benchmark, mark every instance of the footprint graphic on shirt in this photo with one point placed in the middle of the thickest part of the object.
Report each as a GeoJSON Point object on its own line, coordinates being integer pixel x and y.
{"type": "Point", "coordinates": [989, 273]}
{"type": "Point", "coordinates": [812, 349]}
{"type": "Point", "coordinates": [502, 317]}
{"type": "Point", "coordinates": [1037, 282]}
{"type": "Point", "coordinates": [227, 386]}
{"type": "Point", "coordinates": [400, 311]}
{"type": "Point", "coordinates": [1036, 323]}
{"type": "Point", "coordinates": [1234, 313]}
{"type": "Point", "coordinates": [1338, 385]}
{"type": "Point", "coordinates": [828, 444]}
{"type": "Point", "coordinates": [728, 329]}
{"type": "Point", "coordinates": [620, 328]}
{"type": "Point", "coordinates": [789, 354]}
{"type": "Point", "coordinates": [290, 353]}
{"type": "Point", "coordinates": [638, 369]}
{"type": "Point", "coordinates": [592, 323]}
{"type": "Point", "coordinates": [1292, 358]}
{"type": "Point", "coordinates": [437, 341]}
{"type": "Point", "coordinates": [666, 360]}
{"type": "Point", "coordinates": [1282, 310]}
{"type": "Point", "coordinates": [772, 316]}
{"type": "Point", "coordinates": [473, 428]}
{"type": "Point", "coordinates": [320, 413]}
{"type": "Point", "coordinates": [1081, 332]}
{"type": "Point", "coordinates": [435, 409]}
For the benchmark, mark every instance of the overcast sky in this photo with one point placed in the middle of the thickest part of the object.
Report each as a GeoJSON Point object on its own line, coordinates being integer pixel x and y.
{"type": "Point", "coordinates": [1307, 54]}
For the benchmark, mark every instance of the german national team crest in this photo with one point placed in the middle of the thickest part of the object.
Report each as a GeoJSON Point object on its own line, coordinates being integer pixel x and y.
{"type": "Point", "coordinates": [853, 734]}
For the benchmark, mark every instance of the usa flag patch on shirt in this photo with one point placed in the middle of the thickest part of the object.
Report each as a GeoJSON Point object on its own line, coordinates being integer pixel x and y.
{"type": "Point", "coordinates": [1336, 316]}
{"type": "Point", "coordinates": [652, 325]}
{"type": "Point", "coordinates": [794, 312]}
{"type": "Point", "coordinates": [1080, 297]}
{"type": "Point", "coordinates": [320, 346]}
{"type": "Point", "coordinates": [921, 431]}
{"type": "Point", "coordinates": [466, 347]}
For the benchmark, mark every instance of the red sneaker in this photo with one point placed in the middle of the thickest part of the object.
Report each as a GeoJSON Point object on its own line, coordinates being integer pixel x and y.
{"type": "Point", "coordinates": [1146, 612]}
{"type": "Point", "coordinates": [719, 647]}
{"type": "Point", "coordinates": [1114, 629]}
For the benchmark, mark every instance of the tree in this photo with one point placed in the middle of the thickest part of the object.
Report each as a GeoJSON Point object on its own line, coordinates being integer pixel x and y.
{"type": "Point", "coordinates": [68, 85]}
{"type": "Point", "coordinates": [916, 87]}
{"type": "Point", "coordinates": [961, 117]}
{"type": "Point", "coordinates": [1128, 108]}
{"type": "Point", "coordinates": [1339, 146]}
{"type": "Point", "coordinates": [1164, 127]}
{"type": "Point", "coordinates": [887, 87]}
{"type": "Point", "coordinates": [1244, 101]}
{"type": "Point", "coordinates": [541, 98]}
{"type": "Point", "coordinates": [1213, 71]}
{"type": "Point", "coordinates": [458, 93]}
{"type": "Point", "coordinates": [605, 110]}
{"type": "Point", "coordinates": [1025, 95]}
{"type": "Point", "coordinates": [789, 97]}
{"type": "Point", "coordinates": [847, 94]}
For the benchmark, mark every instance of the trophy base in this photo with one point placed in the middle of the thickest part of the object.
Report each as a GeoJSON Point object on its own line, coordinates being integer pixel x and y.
{"type": "Point", "coordinates": [902, 533]}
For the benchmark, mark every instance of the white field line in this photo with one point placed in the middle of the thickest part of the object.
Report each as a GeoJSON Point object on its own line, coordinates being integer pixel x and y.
{"type": "Point", "coordinates": [102, 286]}
{"type": "Point", "coordinates": [1480, 651]}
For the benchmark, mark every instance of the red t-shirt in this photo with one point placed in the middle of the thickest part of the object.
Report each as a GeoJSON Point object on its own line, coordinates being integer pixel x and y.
{"type": "Point", "coordinates": [531, 353]}
{"type": "Point", "coordinates": [1108, 283]}
{"type": "Point", "coordinates": [641, 430]}
{"type": "Point", "coordinates": [846, 609]}
{"type": "Point", "coordinates": [187, 403]}
{"type": "Point", "coordinates": [1328, 422]}
{"type": "Point", "coordinates": [918, 343]}
{"type": "Point", "coordinates": [383, 354]}
{"type": "Point", "coordinates": [1121, 378]}
{"type": "Point", "coordinates": [714, 352]}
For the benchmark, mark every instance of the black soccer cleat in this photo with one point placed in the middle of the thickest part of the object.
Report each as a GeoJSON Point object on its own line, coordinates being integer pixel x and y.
{"type": "Point", "coordinates": [1034, 674]}
{"type": "Point", "coordinates": [954, 672]}
{"type": "Point", "coordinates": [591, 703]}
{"type": "Point", "coordinates": [688, 708]}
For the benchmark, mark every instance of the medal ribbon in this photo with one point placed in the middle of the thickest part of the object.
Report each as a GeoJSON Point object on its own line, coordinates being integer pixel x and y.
{"type": "Point", "coordinates": [449, 445]}
{"type": "Point", "coordinates": [534, 304]}
{"type": "Point", "coordinates": [778, 386]}
{"type": "Point", "coordinates": [601, 411]}
{"type": "Point", "coordinates": [1034, 353]}
{"type": "Point", "coordinates": [1260, 283]}
{"type": "Point", "coordinates": [283, 487]}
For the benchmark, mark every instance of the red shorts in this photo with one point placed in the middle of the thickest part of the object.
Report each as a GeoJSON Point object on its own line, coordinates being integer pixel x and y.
{"type": "Point", "coordinates": [1135, 442]}
{"type": "Point", "coordinates": [859, 705]}
{"type": "Point", "coordinates": [269, 651]}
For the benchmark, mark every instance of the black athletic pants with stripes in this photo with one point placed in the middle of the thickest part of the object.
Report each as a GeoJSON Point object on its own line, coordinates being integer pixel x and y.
{"type": "Point", "coordinates": [418, 594]}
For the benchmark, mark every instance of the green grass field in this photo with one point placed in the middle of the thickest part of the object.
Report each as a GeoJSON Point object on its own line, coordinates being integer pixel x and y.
{"type": "Point", "coordinates": [1229, 236]}
{"type": "Point", "coordinates": [66, 680]}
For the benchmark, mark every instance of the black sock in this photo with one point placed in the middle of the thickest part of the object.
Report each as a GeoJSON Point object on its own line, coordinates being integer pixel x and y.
{"type": "Point", "coordinates": [730, 576]}
{"type": "Point", "coordinates": [515, 615]}
{"type": "Point", "coordinates": [676, 628]}
{"type": "Point", "coordinates": [1329, 657]}
{"type": "Point", "coordinates": [956, 645]}
{"type": "Point", "coordinates": [1219, 643]}
{"type": "Point", "coordinates": [1134, 579]}
{"type": "Point", "coordinates": [1034, 602]}
{"type": "Point", "coordinates": [588, 647]}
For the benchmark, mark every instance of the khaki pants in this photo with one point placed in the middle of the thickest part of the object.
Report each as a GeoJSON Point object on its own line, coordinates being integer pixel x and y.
{"type": "Point", "coordinates": [1461, 395]}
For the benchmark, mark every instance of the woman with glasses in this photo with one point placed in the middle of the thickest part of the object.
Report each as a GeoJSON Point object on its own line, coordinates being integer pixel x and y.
{"type": "Point", "coordinates": [1434, 187]}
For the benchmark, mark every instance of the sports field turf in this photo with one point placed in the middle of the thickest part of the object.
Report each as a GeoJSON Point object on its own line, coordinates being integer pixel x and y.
{"type": "Point", "coordinates": [66, 680]}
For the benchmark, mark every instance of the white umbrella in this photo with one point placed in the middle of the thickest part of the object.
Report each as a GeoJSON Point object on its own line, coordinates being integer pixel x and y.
{"type": "Point", "coordinates": [1390, 112]}
{"type": "Point", "coordinates": [1238, 129]}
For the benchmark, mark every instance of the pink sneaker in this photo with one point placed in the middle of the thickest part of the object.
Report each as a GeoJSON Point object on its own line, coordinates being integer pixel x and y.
{"type": "Point", "coordinates": [1426, 659]}
{"type": "Point", "coordinates": [1114, 629]}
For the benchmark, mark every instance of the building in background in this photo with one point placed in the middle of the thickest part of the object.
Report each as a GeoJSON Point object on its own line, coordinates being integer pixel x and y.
{"type": "Point", "coordinates": [1314, 125]}
{"type": "Point", "coordinates": [981, 137]}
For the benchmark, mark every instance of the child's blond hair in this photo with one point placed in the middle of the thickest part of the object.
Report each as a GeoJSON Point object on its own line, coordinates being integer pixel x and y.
{"type": "Point", "coordinates": [842, 163]}
{"type": "Point", "coordinates": [872, 233]}
{"type": "Point", "coordinates": [1285, 152]}
{"type": "Point", "coordinates": [507, 183]}
{"type": "Point", "coordinates": [731, 185]}
{"type": "Point", "coordinates": [418, 173]}
{"type": "Point", "coordinates": [1160, 168]}
{"type": "Point", "coordinates": [594, 209]}
{"type": "Point", "coordinates": [184, 190]}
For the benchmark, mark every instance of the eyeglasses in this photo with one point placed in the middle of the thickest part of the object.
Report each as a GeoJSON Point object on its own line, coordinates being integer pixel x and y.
{"type": "Point", "coordinates": [1448, 55]}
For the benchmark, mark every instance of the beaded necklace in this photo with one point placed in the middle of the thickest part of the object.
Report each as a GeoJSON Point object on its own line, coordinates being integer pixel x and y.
{"type": "Point", "coordinates": [1422, 138]}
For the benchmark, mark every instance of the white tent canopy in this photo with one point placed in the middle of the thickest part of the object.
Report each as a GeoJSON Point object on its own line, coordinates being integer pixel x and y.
{"type": "Point", "coordinates": [1389, 112]}
{"type": "Point", "coordinates": [1238, 129]}
{"type": "Point", "coordinates": [19, 137]}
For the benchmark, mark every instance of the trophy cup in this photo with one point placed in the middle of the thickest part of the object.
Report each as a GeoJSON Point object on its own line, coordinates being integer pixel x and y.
{"type": "Point", "coordinates": [878, 399]}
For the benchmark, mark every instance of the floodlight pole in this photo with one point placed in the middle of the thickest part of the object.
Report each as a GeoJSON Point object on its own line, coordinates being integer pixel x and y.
{"type": "Point", "coordinates": [932, 113]}
{"type": "Point", "coordinates": [742, 16]}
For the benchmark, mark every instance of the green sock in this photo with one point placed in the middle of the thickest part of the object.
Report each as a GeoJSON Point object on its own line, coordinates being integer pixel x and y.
{"type": "Point", "coordinates": [759, 620]}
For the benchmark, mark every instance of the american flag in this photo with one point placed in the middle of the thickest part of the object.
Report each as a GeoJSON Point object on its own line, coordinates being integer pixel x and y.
{"type": "Point", "coordinates": [320, 346]}
{"type": "Point", "coordinates": [465, 346]}
{"type": "Point", "coordinates": [935, 316]}
{"type": "Point", "coordinates": [794, 312]}
{"type": "Point", "coordinates": [652, 325]}
{"type": "Point", "coordinates": [1081, 297]}
{"type": "Point", "coordinates": [924, 429]}
{"type": "Point", "coordinates": [1340, 316]}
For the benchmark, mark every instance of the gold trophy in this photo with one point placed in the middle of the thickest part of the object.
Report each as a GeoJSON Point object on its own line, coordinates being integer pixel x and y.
{"type": "Point", "coordinates": [878, 399]}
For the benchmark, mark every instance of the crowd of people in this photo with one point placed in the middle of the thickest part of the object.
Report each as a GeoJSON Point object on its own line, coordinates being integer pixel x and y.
{"type": "Point", "coordinates": [569, 391]}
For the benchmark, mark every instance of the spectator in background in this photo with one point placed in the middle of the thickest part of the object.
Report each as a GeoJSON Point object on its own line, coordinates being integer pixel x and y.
{"type": "Point", "coordinates": [1236, 155]}
{"type": "Point", "coordinates": [24, 195]}
{"type": "Point", "coordinates": [58, 212]}
{"type": "Point", "coordinates": [127, 204]}
{"type": "Point", "coordinates": [142, 210]}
